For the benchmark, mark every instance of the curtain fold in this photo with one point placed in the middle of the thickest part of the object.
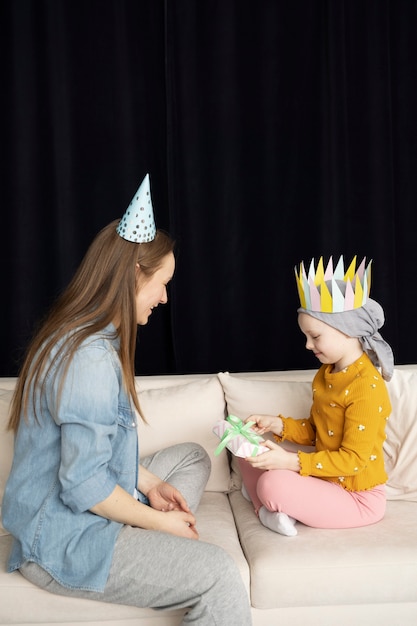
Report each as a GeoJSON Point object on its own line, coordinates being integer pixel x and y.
{"type": "Point", "coordinates": [273, 132]}
{"type": "Point", "coordinates": [286, 148]}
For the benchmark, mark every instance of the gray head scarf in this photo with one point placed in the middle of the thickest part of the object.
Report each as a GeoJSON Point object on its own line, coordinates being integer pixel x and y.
{"type": "Point", "coordinates": [363, 323]}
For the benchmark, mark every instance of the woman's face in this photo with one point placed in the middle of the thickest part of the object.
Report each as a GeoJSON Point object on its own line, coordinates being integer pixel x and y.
{"type": "Point", "coordinates": [153, 291]}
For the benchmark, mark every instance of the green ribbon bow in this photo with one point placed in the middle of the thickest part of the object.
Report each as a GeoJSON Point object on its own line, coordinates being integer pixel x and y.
{"type": "Point", "coordinates": [237, 427]}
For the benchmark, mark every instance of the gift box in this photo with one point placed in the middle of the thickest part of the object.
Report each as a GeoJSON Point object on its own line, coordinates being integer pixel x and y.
{"type": "Point", "coordinates": [238, 437]}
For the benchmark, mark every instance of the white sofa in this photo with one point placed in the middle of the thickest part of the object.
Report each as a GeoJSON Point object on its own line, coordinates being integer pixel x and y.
{"type": "Point", "coordinates": [320, 577]}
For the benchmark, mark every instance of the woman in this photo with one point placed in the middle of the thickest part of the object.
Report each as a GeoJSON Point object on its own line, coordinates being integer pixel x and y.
{"type": "Point", "coordinates": [88, 520]}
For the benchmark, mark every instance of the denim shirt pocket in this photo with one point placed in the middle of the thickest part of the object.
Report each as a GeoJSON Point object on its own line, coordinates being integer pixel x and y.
{"type": "Point", "coordinates": [126, 417]}
{"type": "Point", "coordinates": [125, 449]}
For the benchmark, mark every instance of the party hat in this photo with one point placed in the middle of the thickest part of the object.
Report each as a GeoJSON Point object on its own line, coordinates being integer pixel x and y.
{"type": "Point", "coordinates": [333, 291]}
{"type": "Point", "coordinates": [138, 223]}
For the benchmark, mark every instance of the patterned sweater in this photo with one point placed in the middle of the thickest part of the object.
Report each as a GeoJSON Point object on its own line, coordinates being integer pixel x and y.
{"type": "Point", "coordinates": [346, 426]}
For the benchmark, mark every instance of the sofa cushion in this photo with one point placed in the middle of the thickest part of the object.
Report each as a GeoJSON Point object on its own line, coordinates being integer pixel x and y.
{"type": "Point", "coordinates": [245, 396]}
{"type": "Point", "coordinates": [185, 413]}
{"type": "Point", "coordinates": [373, 564]}
{"type": "Point", "coordinates": [400, 446]}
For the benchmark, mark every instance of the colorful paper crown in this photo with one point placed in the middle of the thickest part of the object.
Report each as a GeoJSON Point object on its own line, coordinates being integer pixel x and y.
{"type": "Point", "coordinates": [138, 223]}
{"type": "Point", "coordinates": [333, 291]}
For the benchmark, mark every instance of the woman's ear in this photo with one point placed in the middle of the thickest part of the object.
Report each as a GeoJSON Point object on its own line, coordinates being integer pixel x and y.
{"type": "Point", "coordinates": [139, 275]}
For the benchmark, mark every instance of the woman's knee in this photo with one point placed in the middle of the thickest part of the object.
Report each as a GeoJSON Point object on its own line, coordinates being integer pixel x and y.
{"type": "Point", "coordinates": [194, 451]}
{"type": "Point", "coordinates": [221, 574]}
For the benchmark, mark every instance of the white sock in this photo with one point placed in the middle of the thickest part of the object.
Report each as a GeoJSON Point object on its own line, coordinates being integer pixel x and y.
{"type": "Point", "coordinates": [278, 522]}
{"type": "Point", "coordinates": [245, 493]}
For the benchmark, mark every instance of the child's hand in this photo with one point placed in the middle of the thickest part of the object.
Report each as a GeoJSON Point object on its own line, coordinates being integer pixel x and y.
{"type": "Point", "coordinates": [276, 458]}
{"type": "Point", "coordinates": [266, 423]}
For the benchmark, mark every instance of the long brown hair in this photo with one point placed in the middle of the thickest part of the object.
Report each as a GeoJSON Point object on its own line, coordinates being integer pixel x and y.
{"type": "Point", "coordinates": [102, 290]}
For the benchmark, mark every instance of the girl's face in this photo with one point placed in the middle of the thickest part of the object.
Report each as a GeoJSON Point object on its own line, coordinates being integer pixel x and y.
{"type": "Point", "coordinates": [329, 345]}
{"type": "Point", "coordinates": [153, 291]}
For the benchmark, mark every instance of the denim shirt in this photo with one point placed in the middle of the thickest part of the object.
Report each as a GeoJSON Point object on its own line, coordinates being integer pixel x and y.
{"type": "Point", "coordinates": [72, 460]}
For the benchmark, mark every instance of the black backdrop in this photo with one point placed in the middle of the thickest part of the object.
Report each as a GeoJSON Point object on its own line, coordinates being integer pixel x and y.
{"type": "Point", "coordinates": [273, 132]}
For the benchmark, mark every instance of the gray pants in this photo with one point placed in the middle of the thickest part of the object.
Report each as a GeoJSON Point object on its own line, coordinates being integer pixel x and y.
{"type": "Point", "coordinates": [163, 571]}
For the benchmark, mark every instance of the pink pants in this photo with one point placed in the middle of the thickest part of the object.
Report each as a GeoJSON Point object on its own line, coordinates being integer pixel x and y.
{"type": "Point", "coordinates": [312, 501]}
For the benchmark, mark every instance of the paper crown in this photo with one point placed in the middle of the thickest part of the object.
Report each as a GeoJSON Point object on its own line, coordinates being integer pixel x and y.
{"type": "Point", "coordinates": [138, 223]}
{"type": "Point", "coordinates": [333, 291]}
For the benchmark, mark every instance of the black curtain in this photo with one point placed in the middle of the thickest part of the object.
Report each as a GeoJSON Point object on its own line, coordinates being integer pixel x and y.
{"type": "Point", "coordinates": [273, 132]}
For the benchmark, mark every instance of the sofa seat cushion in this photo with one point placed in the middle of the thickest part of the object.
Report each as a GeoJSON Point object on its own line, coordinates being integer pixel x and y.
{"type": "Point", "coordinates": [21, 602]}
{"type": "Point", "coordinates": [215, 524]}
{"type": "Point", "coordinates": [374, 564]}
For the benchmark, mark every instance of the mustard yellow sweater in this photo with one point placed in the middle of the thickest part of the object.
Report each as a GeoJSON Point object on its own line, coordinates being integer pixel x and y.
{"type": "Point", "coordinates": [346, 426]}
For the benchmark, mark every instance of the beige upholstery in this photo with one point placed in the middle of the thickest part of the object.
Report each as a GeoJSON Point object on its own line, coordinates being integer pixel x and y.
{"type": "Point", "coordinates": [320, 577]}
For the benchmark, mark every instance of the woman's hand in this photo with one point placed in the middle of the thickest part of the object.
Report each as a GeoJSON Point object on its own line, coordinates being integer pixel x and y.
{"type": "Point", "coordinates": [177, 523]}
{"type": "Point", "coordinates": [122, 507]}
{"type": "Point", "coordinates": [266, 423]}
{"type": "Point", "coordinates": [171, 511]}
{"type": "Point", "coordinates": [165, 497]}
{"type": "Point", "coordinates": [276, 458]}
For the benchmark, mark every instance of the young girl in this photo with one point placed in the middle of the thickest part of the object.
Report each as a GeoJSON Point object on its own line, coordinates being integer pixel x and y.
{"type": "Point", "coordinates": [341, 483]}
{"type": "Point", "coordinates": [88, 520]}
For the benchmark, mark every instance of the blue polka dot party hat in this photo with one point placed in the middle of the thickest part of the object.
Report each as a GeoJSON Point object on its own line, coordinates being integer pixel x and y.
{"type": "Point", "coordinates": [138, 223]}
